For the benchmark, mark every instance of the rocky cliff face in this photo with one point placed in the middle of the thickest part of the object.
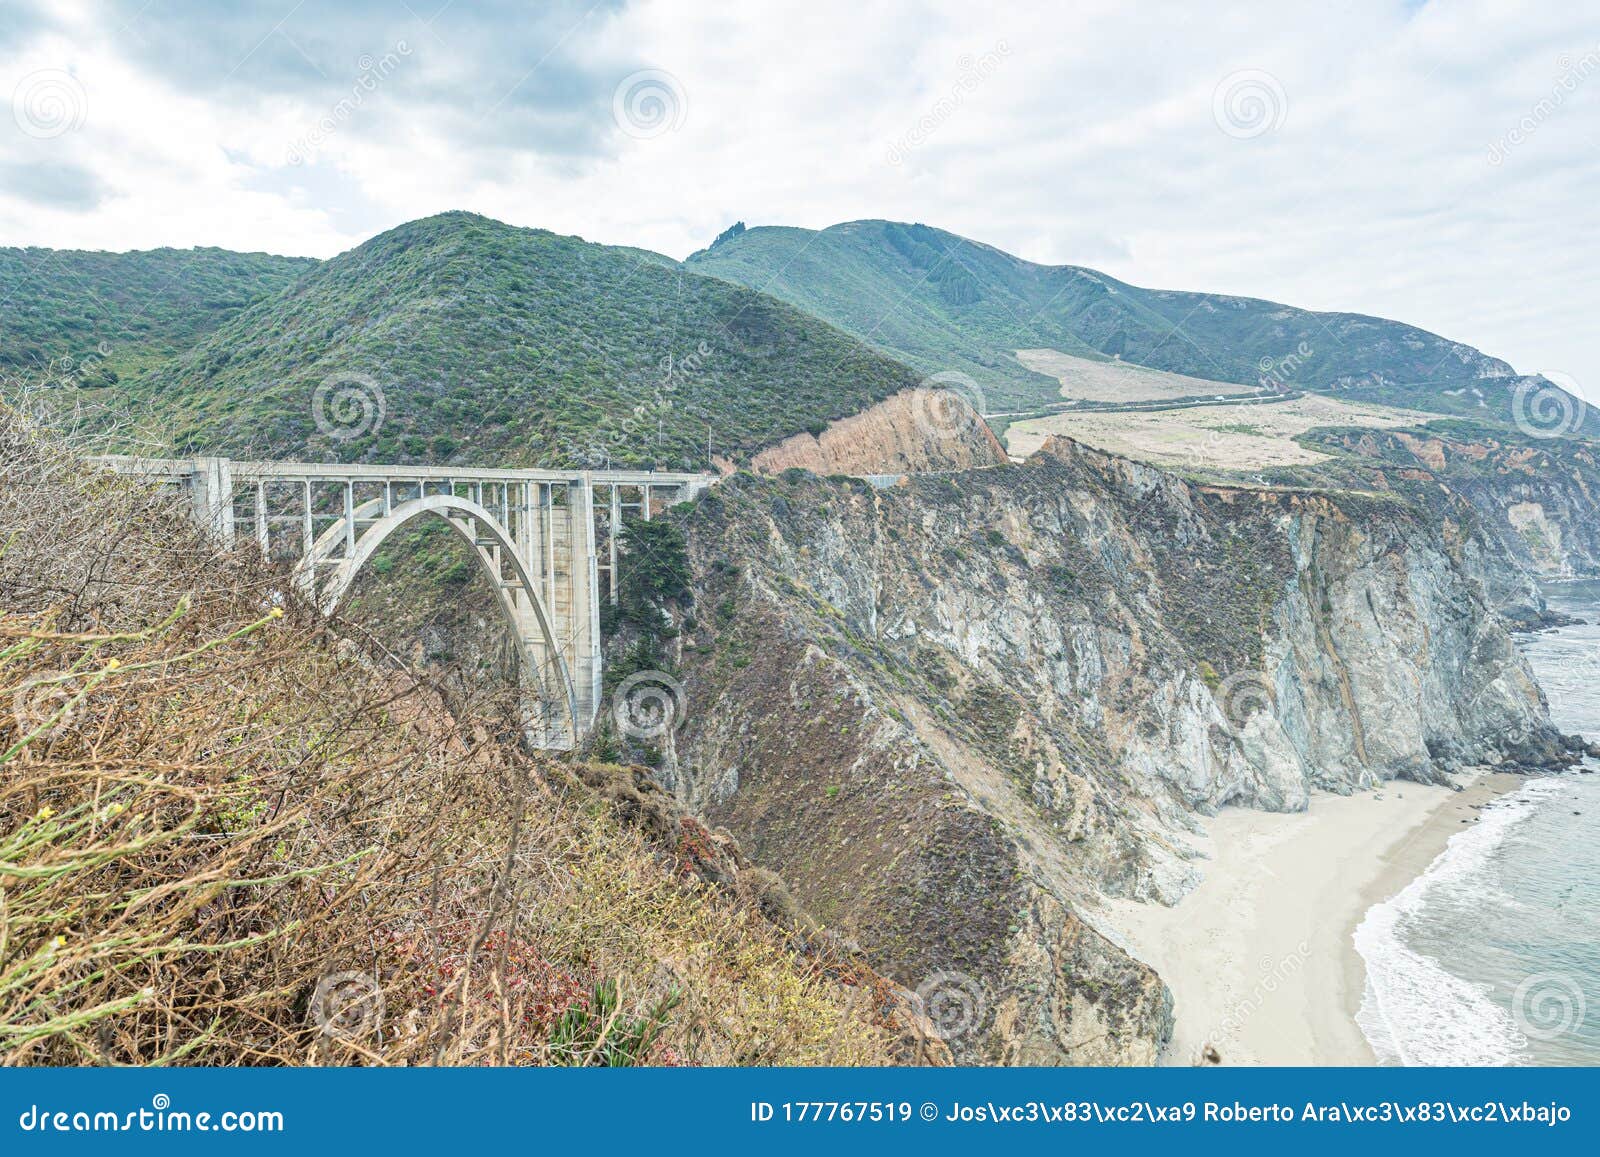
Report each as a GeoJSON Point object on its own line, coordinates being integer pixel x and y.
{"type": "Point", "coordinates": [1536, 497]}
{"type": "Point", "coordinates": [951, 711]}
{"type": "Point", "coordinates": [915, 430]}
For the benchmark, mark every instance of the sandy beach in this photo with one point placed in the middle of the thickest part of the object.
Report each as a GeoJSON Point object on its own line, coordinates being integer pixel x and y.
{"type": "Point", "coordinates": [1260, 957]}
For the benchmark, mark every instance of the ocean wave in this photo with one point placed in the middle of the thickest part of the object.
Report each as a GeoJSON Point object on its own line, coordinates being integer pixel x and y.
{"type": "Point", "coordinates": [1414, 1012]}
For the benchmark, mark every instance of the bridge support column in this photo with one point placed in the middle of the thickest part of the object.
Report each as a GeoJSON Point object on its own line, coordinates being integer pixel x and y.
{"type": "Point", "coordinates": [583, 601]}
{"type": "Point", "coordinates": [211, 496]}
{"type": "Point", "coordinates": [613, 535]}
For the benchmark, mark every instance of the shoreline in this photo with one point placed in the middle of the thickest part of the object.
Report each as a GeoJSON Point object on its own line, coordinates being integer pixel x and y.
{"type": "Point", "coordinates": [1261, 956]}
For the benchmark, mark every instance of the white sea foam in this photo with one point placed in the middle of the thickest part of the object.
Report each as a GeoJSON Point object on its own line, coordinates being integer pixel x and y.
{"type": "Point", "coordinates": [1414, 1012]}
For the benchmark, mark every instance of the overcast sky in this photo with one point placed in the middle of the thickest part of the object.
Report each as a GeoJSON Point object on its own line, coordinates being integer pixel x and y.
{"type": "Point", "coordinates": [1437, 163]}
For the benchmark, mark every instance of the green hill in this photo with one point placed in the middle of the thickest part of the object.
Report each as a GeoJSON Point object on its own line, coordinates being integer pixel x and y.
{"type": "Point", "coordinates": [458, 338]}
{"type": "Point", "coordinates": [94, 318]}
{"type": "Point", "coordinates": [944, 303]}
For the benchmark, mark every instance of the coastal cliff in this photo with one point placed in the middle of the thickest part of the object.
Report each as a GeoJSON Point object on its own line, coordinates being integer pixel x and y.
{"type": "Point", "coordinates": [1536, 497]}
{"type": "Point", "coordinates": [955, 711]}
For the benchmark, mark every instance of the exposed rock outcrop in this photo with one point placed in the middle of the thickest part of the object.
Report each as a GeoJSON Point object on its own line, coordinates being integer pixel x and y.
{"type": "Point", "coordinates": [950, 711]}
{"type": "Point", "coordinates": [912, 431]}
{"type": "Point", "coordinates": [1536, 496]}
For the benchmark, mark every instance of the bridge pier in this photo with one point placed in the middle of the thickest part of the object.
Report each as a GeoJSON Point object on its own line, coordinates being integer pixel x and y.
{"type": "Point", "coordinates": [210, 490]}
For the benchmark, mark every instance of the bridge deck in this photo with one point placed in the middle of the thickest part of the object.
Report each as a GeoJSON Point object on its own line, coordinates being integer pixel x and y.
{"type": "Point", "coordinates": [244, 469]}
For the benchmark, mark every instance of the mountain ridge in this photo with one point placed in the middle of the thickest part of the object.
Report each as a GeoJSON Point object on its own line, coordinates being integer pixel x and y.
{"type": "Point", "coordinates": [954, 304]}
{"type": "Point", "coordinates": [478, 337]}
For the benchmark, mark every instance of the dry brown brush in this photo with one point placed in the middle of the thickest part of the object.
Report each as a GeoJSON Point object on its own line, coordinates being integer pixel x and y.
{"type": "Point", "coordinates": [227, 836]}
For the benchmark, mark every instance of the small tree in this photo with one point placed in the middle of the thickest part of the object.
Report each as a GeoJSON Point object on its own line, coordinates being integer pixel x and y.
{"type": "Point", "coordinates": [653, 572]}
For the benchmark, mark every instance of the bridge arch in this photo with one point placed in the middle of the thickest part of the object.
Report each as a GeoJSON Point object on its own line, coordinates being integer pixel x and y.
{"type": "Point", "coordinates": [496, 551]}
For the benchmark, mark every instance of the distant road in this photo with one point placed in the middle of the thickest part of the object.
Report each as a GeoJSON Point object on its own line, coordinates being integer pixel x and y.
{"type": "Point", "coordinates": [1145, 407]}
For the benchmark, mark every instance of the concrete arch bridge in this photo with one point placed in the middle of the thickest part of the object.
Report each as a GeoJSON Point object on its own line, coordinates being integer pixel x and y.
{"type": "Point", "coordinates": [546, 540]}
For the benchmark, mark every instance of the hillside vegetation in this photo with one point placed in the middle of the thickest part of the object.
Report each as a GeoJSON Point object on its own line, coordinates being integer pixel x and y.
{"type": "Point", "coordinates": [944, 303]}
{"type": "Point", "coordinates": [90, 318]}
{"type": "Point", "coordinates": [226, 837]}
{"type": "Point", "coordinates": [458, 338]}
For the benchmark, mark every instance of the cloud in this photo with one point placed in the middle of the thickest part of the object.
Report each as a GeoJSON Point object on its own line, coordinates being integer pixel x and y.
{"type": "Point", "coordinates": [60, 185]}
{"type": "Point", "coordinates": [496, 77]}
{"type": "Point", "coordinates": [23, 21]}
{"type": "Point", "coordinates": [1433, 163]}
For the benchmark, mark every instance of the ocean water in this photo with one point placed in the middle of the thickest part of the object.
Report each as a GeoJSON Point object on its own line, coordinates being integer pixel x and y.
{"type": "Point", "coordinates": [1492, 956]}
